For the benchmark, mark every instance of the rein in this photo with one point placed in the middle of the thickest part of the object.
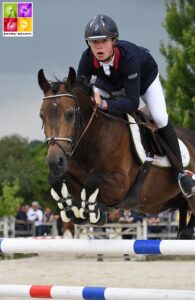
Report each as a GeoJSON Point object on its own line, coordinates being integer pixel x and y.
{"type": "Point", "coordinates": [144, 124]}
{"type": "Point", "coordinates": [75, 141]}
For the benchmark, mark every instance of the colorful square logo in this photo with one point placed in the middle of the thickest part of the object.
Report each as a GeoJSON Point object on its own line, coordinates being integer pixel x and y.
{"type": "Point", "coordinates": [17, 19]}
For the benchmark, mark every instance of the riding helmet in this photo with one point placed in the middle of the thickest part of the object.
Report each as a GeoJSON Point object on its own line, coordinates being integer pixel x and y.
{"type": "Point", "coordinates": [101, 27]}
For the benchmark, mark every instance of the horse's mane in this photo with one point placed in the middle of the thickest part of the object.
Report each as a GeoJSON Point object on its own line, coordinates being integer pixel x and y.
{"type": "Point", "coordinates": [84, 87]}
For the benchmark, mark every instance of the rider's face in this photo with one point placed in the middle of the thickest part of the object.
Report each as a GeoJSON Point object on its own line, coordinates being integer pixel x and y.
{"type": "Point", "coordinates": [102, 49]}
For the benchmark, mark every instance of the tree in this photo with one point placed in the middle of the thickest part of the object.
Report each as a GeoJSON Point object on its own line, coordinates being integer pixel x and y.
{"type": "Point", "coordinates": [9, 199]}
{"type": "Point", "coordinates": [39, 173]}
{"type": "Point", "coordinates": [14, 161]}
{"type": "Point", "coordinates": [26, 162]}
{"type": "Point", "coordinates": [180, 56]}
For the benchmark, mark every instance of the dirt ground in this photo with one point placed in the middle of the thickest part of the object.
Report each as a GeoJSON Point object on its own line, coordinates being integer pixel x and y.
{"type": "Point", "coordinates": [59, 269]}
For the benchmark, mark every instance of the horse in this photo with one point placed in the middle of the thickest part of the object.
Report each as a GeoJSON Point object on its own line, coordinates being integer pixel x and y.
{"type": "Point", "coordinates": [92, 164]}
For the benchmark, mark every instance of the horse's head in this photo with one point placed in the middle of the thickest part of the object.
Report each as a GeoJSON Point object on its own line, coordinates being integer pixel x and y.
{"type": "Point", "coordinates": [59, 113]}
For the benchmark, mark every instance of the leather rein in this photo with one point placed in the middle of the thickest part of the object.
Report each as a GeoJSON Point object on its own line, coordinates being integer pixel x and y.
{"type": "Point", "coordinates": [77, 137]}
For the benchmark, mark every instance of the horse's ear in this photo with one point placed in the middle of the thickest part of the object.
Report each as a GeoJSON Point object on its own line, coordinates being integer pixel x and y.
{"type": "Point", "coordinates": [70, 81]}
{"type": "Point", "coordinates": [43, 83]}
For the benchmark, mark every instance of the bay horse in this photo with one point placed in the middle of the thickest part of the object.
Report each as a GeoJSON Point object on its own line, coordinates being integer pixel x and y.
{"type": "Point", "coordinates": [92, 165]}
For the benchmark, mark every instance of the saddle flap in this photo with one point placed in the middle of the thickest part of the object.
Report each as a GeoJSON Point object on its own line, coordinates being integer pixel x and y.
{"type": "Point", "coordinates": [148, 132]}
{"type": "Point", "coordinates": [158, 160]}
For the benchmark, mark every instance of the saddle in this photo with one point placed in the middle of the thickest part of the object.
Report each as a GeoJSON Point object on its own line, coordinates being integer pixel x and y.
{"type": "Point", "coordinates": [149, 133]}
{"type": "Point", "coordinates": [147, 143]}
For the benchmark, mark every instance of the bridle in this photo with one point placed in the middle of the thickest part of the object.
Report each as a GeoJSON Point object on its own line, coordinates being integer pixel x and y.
{"type": "Point", "coordinates": [73, 140]}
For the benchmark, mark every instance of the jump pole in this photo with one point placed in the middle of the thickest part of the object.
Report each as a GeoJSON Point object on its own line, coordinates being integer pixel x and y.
{"type": "Point", "coordinates": [92, 293]}
{"type": "Point", "coordinates": [83, 246]}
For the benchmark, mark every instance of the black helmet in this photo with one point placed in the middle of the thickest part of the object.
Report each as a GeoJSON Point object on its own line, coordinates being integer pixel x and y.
{"type": "Point", "coordinates": [101, 27]}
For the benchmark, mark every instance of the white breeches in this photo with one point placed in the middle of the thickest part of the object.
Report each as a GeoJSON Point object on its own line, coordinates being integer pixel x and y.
{"type": "Point", "coordinates": [155, 101]}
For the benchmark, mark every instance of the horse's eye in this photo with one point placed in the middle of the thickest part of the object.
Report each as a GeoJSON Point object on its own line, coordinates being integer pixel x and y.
{"type": "Point", "coordinates": [69, 115]}
{"type": "Point", "coordinates": [41, 115]}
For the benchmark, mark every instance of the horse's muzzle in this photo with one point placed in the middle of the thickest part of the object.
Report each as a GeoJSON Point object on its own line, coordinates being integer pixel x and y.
{"type": "Point", "coordinates": [57, 164]}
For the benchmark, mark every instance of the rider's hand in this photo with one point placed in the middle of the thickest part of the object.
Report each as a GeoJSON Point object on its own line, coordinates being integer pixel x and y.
{"type": "Point", "coordinates": [99, 102]}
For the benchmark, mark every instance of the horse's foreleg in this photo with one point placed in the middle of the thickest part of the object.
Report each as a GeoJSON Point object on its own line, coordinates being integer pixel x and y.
{"type": "Point", "coordinates": [91, 210]}
{"type": "Point", "coordinates": [65, 204]}
{"type": "Point", "coordinates": [69, 211]}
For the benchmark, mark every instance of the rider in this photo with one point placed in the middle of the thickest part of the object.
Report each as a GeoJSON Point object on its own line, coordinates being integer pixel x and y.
{"type": "Point", "coordinates": [129, 70]}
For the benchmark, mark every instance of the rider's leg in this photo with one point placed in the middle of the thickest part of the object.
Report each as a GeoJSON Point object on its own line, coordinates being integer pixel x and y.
{"type": "Point", "coordinates": [155, 101]}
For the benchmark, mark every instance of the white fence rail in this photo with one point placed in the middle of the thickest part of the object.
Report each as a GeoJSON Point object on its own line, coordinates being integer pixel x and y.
{"type": "Point", "coordinates": [139, 230]}
{"type": "Point", "coordinates": [10, 227]}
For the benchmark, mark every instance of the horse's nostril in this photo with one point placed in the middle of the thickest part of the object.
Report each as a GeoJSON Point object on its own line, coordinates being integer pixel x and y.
{"type": "Point", "coordinates": [57, 165]}
{"type": "Point", "coordinates": [61, 162]}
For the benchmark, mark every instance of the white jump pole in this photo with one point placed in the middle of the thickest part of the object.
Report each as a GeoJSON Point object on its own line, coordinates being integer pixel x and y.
{"type": "Point", "coordinates": [92, 293]}
{"type": "Point", "coordinates": [81, 246]}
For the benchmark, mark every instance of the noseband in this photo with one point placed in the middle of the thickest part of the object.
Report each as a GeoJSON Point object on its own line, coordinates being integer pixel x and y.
{"type": "Point", "coordinates": [55, 140]}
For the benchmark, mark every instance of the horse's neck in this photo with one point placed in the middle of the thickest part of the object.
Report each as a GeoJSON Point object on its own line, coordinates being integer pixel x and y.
{"type": "Point", "coordinates": [85, 106]}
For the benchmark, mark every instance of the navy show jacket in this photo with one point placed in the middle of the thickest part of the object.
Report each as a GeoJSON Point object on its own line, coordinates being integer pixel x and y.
{"type": "Point", "coordinates": [134, 69]}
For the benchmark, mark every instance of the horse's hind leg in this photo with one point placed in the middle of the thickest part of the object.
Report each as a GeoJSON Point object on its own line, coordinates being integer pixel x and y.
{"type": "Point", "coordinates": [188, 231]}
{"type": "Point", "coordinates": [182, 221]}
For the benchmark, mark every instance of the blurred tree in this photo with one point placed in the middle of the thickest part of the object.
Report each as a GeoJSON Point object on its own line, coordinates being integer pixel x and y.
{"type": "Point", "coordinates": [26, 162]}
{"type": "Point", "coordinates": [180, 56]}
{"type": "Point", "coordinates": [14, 161]}
{"type": "Point", "coordinates": [38, 174]}
{"type": "Point", "coordinates": [9, 199]}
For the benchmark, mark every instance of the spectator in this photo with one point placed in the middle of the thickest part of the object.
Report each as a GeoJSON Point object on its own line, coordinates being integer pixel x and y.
{"type": "Point", "coordinates": [129, 217]}
{"type": "Point", "coordinates": [153, 223]}
{"type": "Point", "coordinates": [21, 218]}
{"type": "Point", "coordinates": [48, 217]}
{"type": "Point", "coordinates": [35, 214]}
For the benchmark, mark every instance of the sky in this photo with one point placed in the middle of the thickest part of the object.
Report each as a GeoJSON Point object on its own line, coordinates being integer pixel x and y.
{"type": "Point", "coordinates": [57, 44]}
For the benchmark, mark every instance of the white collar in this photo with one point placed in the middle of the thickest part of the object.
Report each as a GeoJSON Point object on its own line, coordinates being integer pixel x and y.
{"type": "Point", "coordinates": [110, 63]}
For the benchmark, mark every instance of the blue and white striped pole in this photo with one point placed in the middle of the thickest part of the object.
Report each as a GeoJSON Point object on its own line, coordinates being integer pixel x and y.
{"type": "Point", "coordinates": [82, 246]}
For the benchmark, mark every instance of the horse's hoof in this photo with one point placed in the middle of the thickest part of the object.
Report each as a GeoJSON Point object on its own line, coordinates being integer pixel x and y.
{"type": "Point", "coordinates": [185, 234]}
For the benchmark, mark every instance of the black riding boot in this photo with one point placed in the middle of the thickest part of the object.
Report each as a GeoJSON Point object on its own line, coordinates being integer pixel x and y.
{"type": "Point", "coordinates": [186, 179]}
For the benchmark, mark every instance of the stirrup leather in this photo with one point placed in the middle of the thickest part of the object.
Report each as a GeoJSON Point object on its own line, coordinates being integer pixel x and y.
{"type": "Point", "coordinates": [186, 173]}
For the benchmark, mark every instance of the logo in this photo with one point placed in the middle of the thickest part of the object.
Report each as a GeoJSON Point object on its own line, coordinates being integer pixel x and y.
{"type": "Point", "coordinates": [132, 76]}
{"type": "Point", "coordinates": [96, 27]}
{"type": "Point", "coordinates": [17, 20]}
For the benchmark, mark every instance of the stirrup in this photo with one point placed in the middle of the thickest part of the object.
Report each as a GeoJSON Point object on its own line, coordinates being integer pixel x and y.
{"type": "Point", "coordinates": [186, 173]}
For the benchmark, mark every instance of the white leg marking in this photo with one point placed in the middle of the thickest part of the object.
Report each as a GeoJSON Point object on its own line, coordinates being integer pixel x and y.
{"type": "Point", "coordinates": [92, 217]}
{"type": "Point", "coordinates": [93, 197]}
{"type": "Point", "coordinates": [75, 211]}
{"type": "Point", "coordinates": [60, 205]}
{"type": "Point", "coordinates": [64, 216]}
{"type": "Point", "coordinates": [81, 213]}
{"type": "Point", "coordinates": [55, 195]}
{"type": "Point", "coordinates": [64, 190]}
{"type": "Point", "coordinates": [83, 194]}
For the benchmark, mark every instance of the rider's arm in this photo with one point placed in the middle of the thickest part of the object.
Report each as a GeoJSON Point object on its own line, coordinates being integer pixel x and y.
{"type": "Point", "coordinates": [131, 83]}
